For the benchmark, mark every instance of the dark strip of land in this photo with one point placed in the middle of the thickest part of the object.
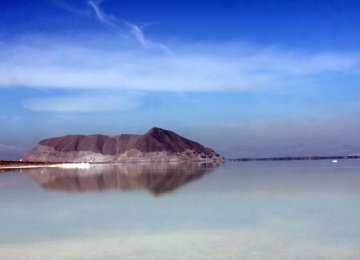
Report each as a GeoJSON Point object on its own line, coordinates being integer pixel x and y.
{"type": "Point", "coordinates": [4, 164]}
{"type": "Point", "coordinates": [299, 158]}
{"type": "Point", "coordinates": [21, 163]}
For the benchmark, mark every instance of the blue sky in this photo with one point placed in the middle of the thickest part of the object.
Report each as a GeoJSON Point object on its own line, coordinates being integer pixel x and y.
{"type": "Point", "coordinates": [259, 78]}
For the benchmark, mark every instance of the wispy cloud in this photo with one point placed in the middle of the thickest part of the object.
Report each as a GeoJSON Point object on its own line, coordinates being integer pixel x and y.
{"type": "Point", "coordinates": [10, 148]}
{"type": "Point", "coordinates": [138, 33]}
{"type": "Point", "coordinates": [113, 23]}
{"type": "Point", "coordinates": [102, 17]}
{"type": "Point", "coordinates": [54, 63]}
{"type": "Point", "coordinates": [68, 7]}
{"type": "Point", "coordinates": [86, 103]}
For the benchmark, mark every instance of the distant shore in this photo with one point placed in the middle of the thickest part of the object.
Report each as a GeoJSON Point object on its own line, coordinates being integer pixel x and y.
{"type": "Point", "coordinates": [6, 165]}
{"type": "Point", "coordinates": [296, 158]}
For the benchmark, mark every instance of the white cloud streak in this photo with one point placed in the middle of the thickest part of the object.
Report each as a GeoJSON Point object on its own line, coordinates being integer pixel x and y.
{"type": "Point", "coordinates": [85, 103]}
{"type": "Point", "coordinates": [69, 8]}
{"type": "Point", "coordinates": [138, 33]}
{"type": "Point", "coordinates": [118, 25]}
{"type": "Point", "coordinates": [60, 64]}
{"type": "Point", "coordinates": [102, 17]}
{"type": "Point", "coordinates": [10, 148]}
{"type": "Point", "coordinates": [114, 24]}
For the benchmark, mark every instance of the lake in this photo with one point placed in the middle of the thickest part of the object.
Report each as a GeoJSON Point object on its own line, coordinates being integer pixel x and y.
{"type": "Point", "coordinates": [239, 210]}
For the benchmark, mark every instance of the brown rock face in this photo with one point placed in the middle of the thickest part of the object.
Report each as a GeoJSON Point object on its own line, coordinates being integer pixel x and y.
{"type": "Point", "coordinates": [106, 145]}
{"type": "Point", "coordinates": [156, 145]}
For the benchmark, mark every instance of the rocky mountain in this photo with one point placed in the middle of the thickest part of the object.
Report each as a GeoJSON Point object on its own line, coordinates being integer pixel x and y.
{"type": "Point", "coordinates": [155, 145]}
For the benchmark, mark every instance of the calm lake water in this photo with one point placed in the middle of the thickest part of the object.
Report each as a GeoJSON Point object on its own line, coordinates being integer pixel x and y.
{"type": "Point", "coordinates": [245, 210]}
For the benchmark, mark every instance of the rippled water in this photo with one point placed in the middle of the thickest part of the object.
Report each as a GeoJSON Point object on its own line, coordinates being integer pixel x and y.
{"type": "Point", "coordinates": [248, 210]}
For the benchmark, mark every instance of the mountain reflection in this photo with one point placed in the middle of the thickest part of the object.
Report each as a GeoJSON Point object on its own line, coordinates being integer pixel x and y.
{"type": "Point", "coordinates": [157, 178]}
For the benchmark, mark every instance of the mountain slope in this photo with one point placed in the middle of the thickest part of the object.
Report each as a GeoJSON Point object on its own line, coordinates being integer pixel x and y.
{"type": "Point", "coordinates": [155, 145]}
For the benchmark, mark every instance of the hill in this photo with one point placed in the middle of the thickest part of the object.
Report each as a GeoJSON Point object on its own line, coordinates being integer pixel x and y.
{"type": "Point", "coordinates": [155, 145]}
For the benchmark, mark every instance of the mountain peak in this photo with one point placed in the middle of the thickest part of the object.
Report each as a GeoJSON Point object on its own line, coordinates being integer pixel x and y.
{"type": "Point", "coordinates": [156, 130]}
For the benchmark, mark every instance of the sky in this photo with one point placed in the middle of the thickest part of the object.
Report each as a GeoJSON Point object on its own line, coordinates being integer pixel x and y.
{"type": "Point", "coordinates": [247, 78]}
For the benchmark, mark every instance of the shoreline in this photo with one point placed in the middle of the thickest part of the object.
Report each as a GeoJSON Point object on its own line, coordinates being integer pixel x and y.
{"type": "Point", "coordinates": [13, 165]}
{"type": "Point", "coordinates": [294, 158]}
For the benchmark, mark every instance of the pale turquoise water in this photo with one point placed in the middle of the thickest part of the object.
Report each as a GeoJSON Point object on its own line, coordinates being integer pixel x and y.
{"type": "Point", "coordinates": [247, 210]}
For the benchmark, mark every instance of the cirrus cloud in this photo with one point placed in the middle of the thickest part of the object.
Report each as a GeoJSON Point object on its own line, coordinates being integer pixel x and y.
{"type": "Point", "coordinates": [10, 148]}
{"type": "Point", "coordinates": [54, 63]}
{"type": "Point", "coordinates": [85, 103]}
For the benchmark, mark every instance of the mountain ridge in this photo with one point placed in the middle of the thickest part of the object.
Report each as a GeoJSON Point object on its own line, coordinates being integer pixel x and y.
{"type": "Point", "coordinates": [155, 145]}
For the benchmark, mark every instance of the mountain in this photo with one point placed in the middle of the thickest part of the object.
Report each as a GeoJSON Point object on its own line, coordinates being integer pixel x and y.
{"type": "Point", "coordinates": [155, 145]}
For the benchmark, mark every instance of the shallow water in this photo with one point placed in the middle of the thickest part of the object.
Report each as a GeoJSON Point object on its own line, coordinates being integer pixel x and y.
{"type": "Point", "coordinates": [244, 210]}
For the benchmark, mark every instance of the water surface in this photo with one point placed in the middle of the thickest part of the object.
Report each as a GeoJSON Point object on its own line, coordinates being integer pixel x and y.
{"type": "Point", "coordinates": [246, 210]}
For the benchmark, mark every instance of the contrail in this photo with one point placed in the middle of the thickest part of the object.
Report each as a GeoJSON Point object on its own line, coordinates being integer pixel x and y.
{"type": "Point", "coordinates": [134, 29]}
{"type": "Point", "coordinates": [113, 23]}
{"type": "Point", "coordinates": [103, 18]}
{"type": "Point", "coordinates": [70, 8]}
